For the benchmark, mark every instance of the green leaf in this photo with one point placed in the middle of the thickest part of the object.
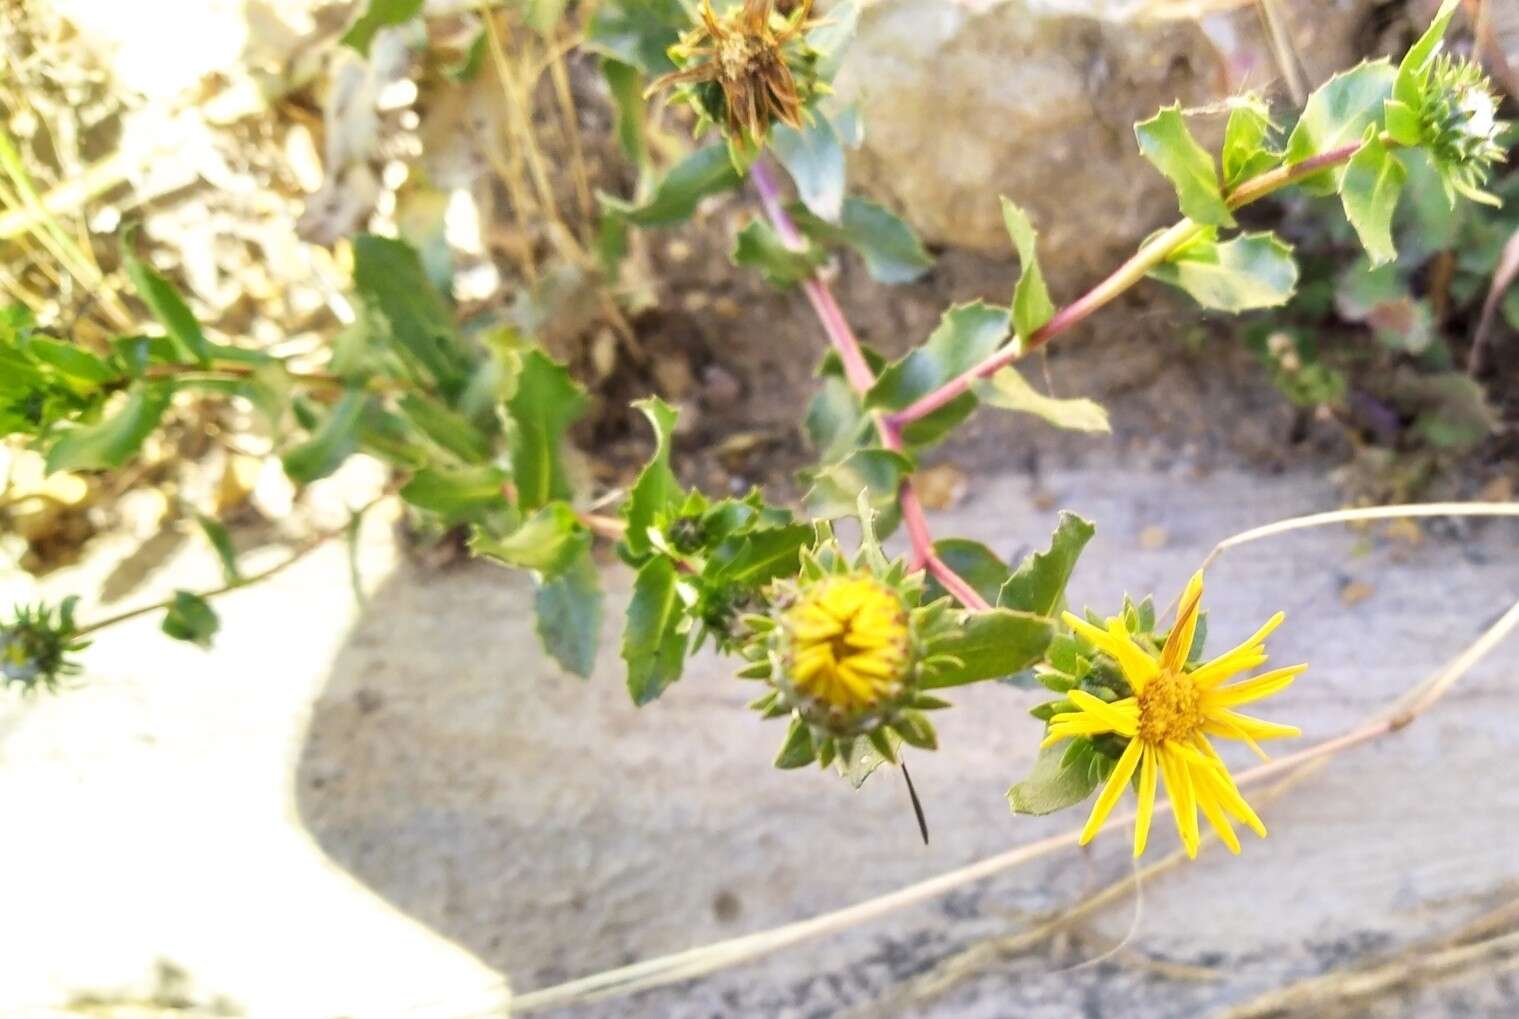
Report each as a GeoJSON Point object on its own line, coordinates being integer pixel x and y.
{"type": "Point", "coordinates": [1166, 142]}
{"type": "Point", "coordinates": [638, 32]}
{"type": "Point", "coordinates": [550, 541]}
{"type": "Point", "coordinates": [221, 542]}
{"type": "Point", "coordinates": [546, 403]}
{"type": "Point", "coordinates": [705, 172]}
{"type": "Point", "coordinates": [77, 364]}
{"type": "Point", "coordinates": [837, 424]}
{"type": "Point", "coordinates": [978, 565]}
{"type": "Point", "coordinates": [192, 619]}
{"type": "Point", "coordinates": [760, 556]}
{"type": "Point", "coordinates": [654, 641]}
{"type": "Point", "coordinates": [1373, 180]}
{"type": "Point", "coordinates": [916, 730]}
{"type": "Point", "coordinates": [451, 430]}
{"type": "Point", "coordinates": [1053, 785]}
{"type": "Point", "coordinates": [1247, 137]}
{"type": "Point", "coordinates": [832, 36]}
{"type": "Point", "coordinates": [468, 67]}
{"type": "Point", "coordinates": [857, 759]}
{"type": "Point", "coordinates": [569, 616]}
{"type": "Point", "coordinates": [411, 315]}
{"type": "Point", "coordinates": [1038, 585]}
{"type": "Point", "coordinates": [334, 441]}
{"type": "Point", "coordinates": [892, 252]}
{"type": "Point", "coordinates": [836, 488]}
{"type": "Point", "coordinates": [1248, 271]}
{"type": "Point", "coordinates": [626, 86]}
{"type": "Point", "coordinates": [990, 645]}
{"type": "Point", "coordinates": [1010, 391]}
{"type": "Point", "coordinates": [110, 443]}
{"type": "Point", "coordinates": [170, 310]}
{"type": "Point", "coordinates": [1337, 114]}
{"type": "Point", "coordinates": [657, 490]}
{"type": "Point", "coordinates": [815, 159]}
{"type": "Point", "coordinates": [967, 335]}
{"type": "Point", "coordinates": [379, 14]}
{"type": "Point", "coordinates": [1032, 306]}
{"type": "Point", "coordinates": [1413, 71]}
{"type": "Point", "coordinates": [798, 750]}
{"type": "Point", "coordinates": [758, 246]}
{"type": "Point", "coordinates": [457, 495]}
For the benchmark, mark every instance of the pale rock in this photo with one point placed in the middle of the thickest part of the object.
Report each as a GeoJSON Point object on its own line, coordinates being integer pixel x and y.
{"type": "Point", "coordinates": [1036, 100]}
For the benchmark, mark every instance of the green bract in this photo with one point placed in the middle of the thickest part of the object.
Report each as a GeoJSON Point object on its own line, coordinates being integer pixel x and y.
{"type": "Point", "coordinates": [36, 645]}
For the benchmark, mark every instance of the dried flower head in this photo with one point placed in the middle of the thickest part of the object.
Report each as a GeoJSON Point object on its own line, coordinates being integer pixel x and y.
{"type": "Point", "coordinates": [747, 70]}
{"type": "Point", "coordinates": [1171, 710]}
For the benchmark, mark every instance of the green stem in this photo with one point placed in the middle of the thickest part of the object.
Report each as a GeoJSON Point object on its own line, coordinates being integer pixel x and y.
{"type": "Point", "coordinates": [298, 553]}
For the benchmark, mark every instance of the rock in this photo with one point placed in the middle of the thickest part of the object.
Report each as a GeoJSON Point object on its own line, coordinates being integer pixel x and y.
{"type": "Point", "coordinates": [1036, 99]}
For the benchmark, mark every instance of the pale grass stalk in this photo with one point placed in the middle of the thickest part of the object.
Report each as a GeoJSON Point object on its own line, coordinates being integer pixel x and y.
{"type": "Point", "coordinates": [1327, 994]}
{"type": "Point", "coordinates": [1361, 515]}
{"type": "Point", "coordinates": [49, 233]}
{"type": "Point", "coordinates": [568, 114]}
{"type": "Point", "coordinates": [520, 116]}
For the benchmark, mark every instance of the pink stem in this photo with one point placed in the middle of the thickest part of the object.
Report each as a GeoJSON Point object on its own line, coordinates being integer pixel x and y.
{"type": "Point", "coordinates": [856, 369]}
{"type": "Point", "coordinates": [1125, 276]}
{"type": "Point", "coordinates": [860, 377]}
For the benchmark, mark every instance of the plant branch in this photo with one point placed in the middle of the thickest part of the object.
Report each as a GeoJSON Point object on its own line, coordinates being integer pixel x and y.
{"type": "Point", "coordinates": [296, 554]}
{"type": "Point", "coordinates": [1154, 251]}
{"type": "Point", "coordinates": [856, 369]}
{"type": "Point", "coordinates": [862, 379]}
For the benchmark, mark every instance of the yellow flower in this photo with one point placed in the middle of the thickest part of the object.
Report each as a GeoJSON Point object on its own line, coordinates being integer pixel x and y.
{"type": "Point", "coordinates": [1168, 721]}
{"type": "Point", "coordinates": [851, 644]}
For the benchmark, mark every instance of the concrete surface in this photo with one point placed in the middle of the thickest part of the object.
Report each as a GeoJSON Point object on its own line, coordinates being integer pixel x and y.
{"type": "Point", "coordinates": [542, 828]}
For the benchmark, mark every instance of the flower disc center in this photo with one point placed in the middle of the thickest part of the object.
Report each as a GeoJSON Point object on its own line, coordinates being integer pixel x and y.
{"type": "Point", "coordinates": [1169, 708]}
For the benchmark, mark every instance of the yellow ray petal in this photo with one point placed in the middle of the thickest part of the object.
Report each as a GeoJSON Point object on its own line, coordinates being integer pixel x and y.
{"type": "Point", "coordinates": [1137, 666]}
{"type": "Point", "coordinates": [1178, 778]}
{"type": "Point", "coordinates": [1114, 789]}
{"type": "Point", "coordinates": [1257, 728]}
{"type": "Point", "coordinates": [1219, 726]}
{"type": "Point", "coordinates": [1230, 800]}
{"type": "Point", "coordinates": [1227, 666]}
{"type": "Point", "coordinates": [1249, 648]}
{"type": "Point", "coordinates": [1174, 655]}
{"type": "Point", "coordinates": [1264, 685]}
{"type": "Point", "coordinates": [1147, 778]}
{"type": "Point", "coordinates": [1215, 815]}
{"type": "Point", "coordinates": [1121, 717]}
{"type": "Point", "coordinates": [1082, 725]}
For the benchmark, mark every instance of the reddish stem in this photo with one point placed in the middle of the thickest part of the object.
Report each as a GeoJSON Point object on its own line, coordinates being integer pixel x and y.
{"type": "Point", "coordinates": [1154, 252]}
{"type": "Point", "coordinates": [861, 378]}
{"type": "Point", "coordinates": [856, 369]}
